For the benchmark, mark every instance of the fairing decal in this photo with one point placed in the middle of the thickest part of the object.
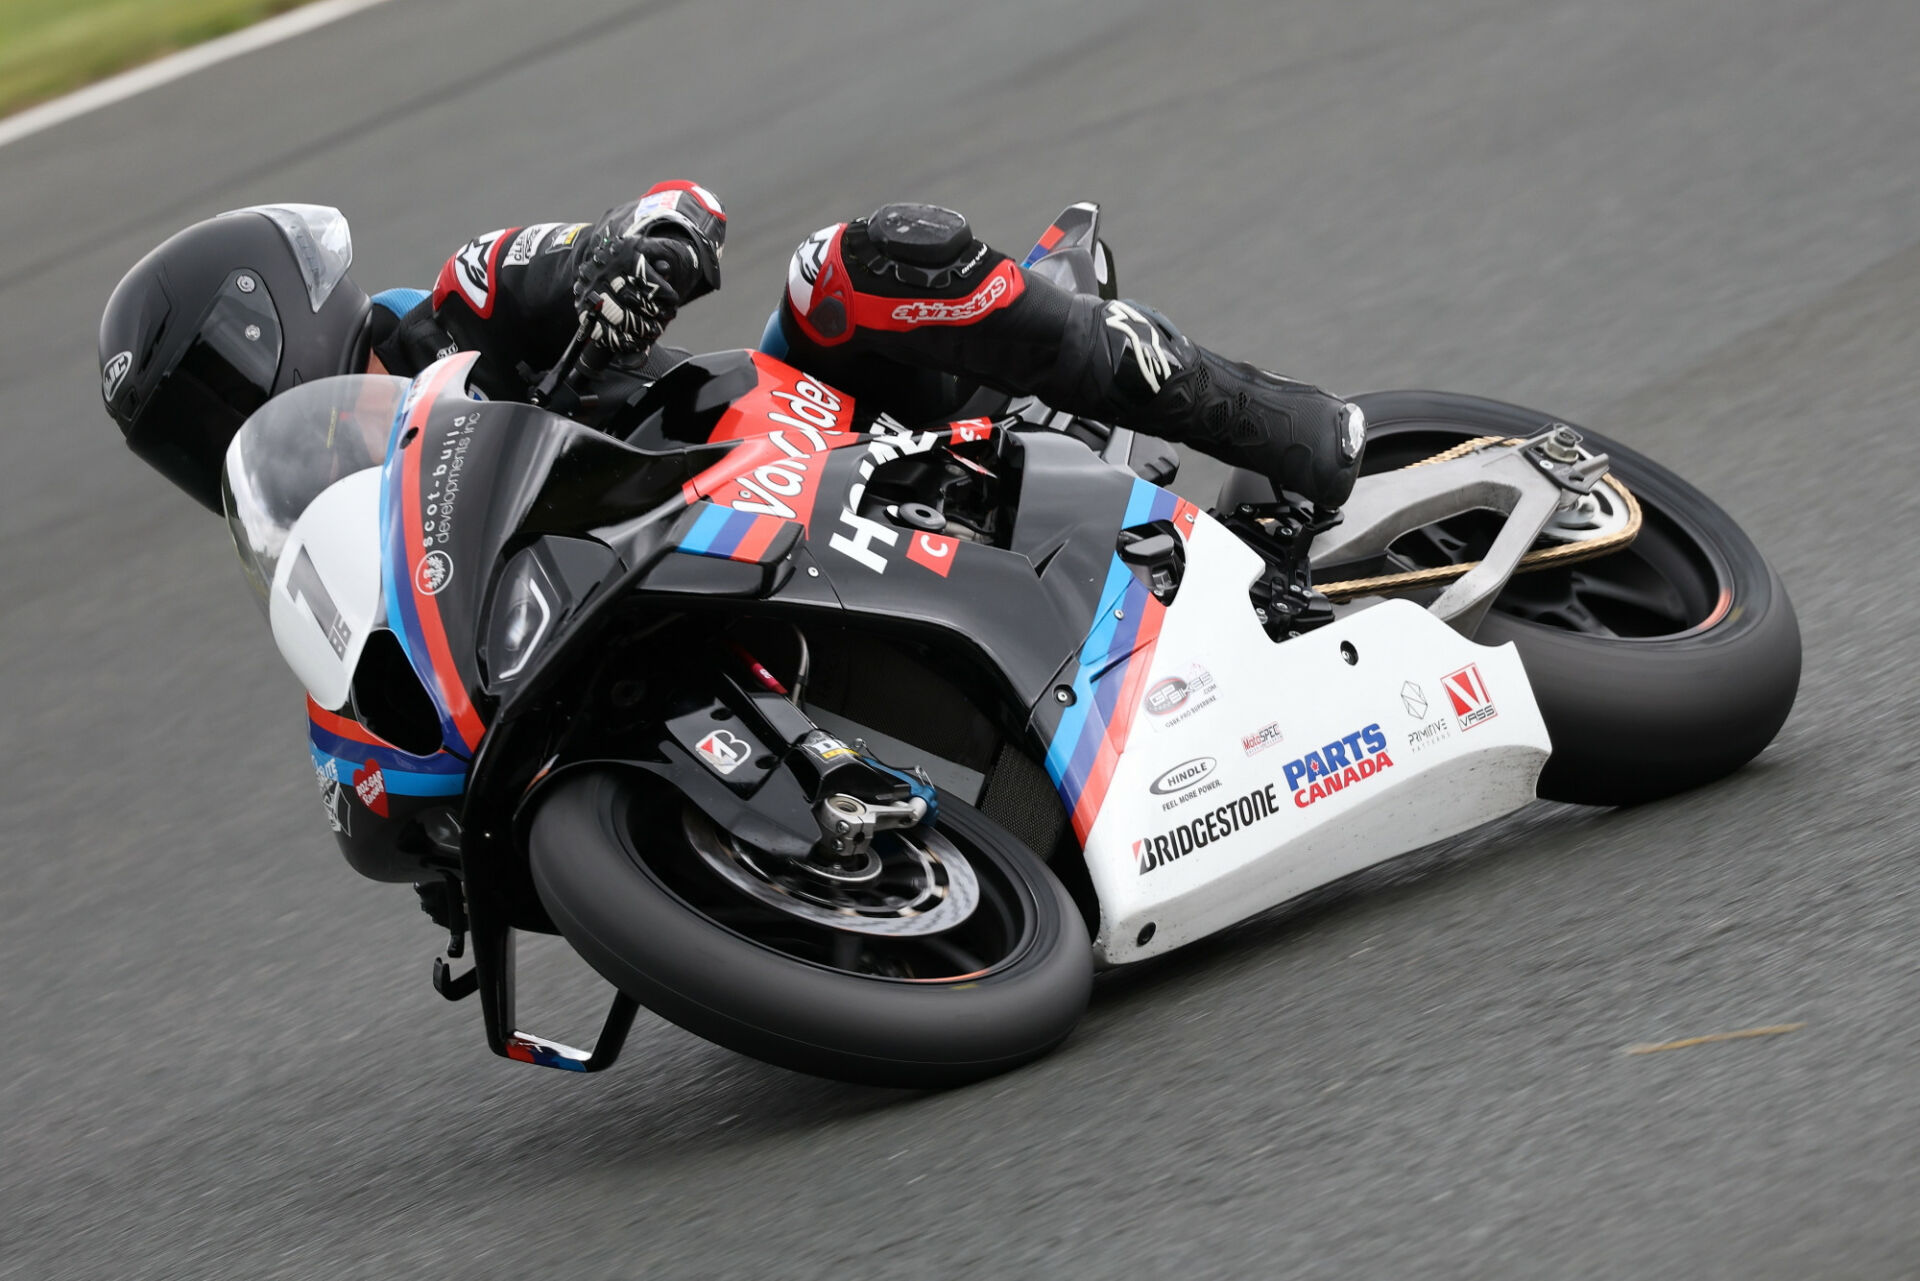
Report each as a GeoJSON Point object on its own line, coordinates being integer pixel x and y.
{"type": "Point", "coordinates": [786, 425]}
{"type": "Point", "coordinates": [1114, 662]}
{"type": "Point", "coordinates": [413, 574]}
{"type": "Point", "coordinates": [351, 746]}
{"type": "Point", "coordinates": [735, 535]}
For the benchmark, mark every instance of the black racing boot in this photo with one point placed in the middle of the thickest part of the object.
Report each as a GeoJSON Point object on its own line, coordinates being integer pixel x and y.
{"type": "Point", "coordinates": [1294, 434]}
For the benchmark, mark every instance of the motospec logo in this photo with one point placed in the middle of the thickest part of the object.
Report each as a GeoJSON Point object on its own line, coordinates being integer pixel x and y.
{"type": "Point", "coordinates": [1216, 824]}
{"type": "Point", "coordinates": [1468, 693]}
{"type": "Point", "coordinates": [1337, 765]}
{"type": "Point", "coordinates": [1175, 699]}
{"type": "Point", "coordinates": [1260, 740]}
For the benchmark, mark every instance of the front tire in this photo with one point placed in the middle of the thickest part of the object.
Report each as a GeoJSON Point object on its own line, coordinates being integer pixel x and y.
{"type": "Point", "coordinates": [626, 887]}
{"type": "Point", "coordinates": [1658, 668]}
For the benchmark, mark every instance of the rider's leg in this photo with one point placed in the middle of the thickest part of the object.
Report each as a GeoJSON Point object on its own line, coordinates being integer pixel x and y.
{"type": "Point", "coordinates": [912, 287]}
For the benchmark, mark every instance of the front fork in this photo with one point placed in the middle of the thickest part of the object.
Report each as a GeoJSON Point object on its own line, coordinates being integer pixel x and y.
{"type": "Point", "coordinates": [824, 802]}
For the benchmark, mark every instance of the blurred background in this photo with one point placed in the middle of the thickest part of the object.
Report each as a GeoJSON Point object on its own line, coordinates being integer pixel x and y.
{"type": "Point", "coordinates": [1691, 224]}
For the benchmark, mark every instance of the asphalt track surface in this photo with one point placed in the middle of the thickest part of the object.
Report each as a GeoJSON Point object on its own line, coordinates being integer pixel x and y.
{"type": "Point", "coordinates": [1693, 225]}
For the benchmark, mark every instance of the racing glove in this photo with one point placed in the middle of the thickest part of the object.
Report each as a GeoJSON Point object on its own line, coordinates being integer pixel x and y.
{"type": "Point", "coordinates": [636, 285]}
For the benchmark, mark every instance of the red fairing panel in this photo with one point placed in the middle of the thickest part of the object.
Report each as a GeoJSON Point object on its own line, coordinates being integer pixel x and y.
{"type": "Point", "coordinates": [786, 425]}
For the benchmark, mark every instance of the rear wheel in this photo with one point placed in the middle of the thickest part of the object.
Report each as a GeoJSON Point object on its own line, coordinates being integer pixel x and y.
{"type": "Point", "coordinates": [955, 956]}
{"type": "Point", "coordinates": [1662, 666]}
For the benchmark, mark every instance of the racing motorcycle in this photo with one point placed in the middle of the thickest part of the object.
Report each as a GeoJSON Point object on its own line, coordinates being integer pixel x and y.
{"type": "Point", "coordinates": [856, 745]}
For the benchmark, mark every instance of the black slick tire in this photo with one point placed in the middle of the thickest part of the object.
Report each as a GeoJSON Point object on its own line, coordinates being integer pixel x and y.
{"type": "Point", "coordinates": [624, 919]}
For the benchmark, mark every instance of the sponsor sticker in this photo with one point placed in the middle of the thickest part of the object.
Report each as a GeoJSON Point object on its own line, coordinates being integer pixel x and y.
{"type": "Point", "coordinates": [433, 572]}
{"type": "Point", "coordinates": [1187, 781]}
{"type": "Point", "coordinates": [563, 240]}
{"type": "Point", "coordinates": [928, 311]}
{"type": "Point", "coordinates": [1260, 740]}
{"type": "Point", "coordinates": [723, 752]}
{"type": "Point", "coordinates": [1237, 815]}
{"type": "Point", "coordinates": [527, 243]}
{"type": "Point", "coordinates": [370, 785]}
{"type": "Point", "coordinates": [1428, 735]}
{"type": "Point", "coordinates": [859, 535]}
{"type": "Point", "coordinates": [934, 551]}
{"type": "Point", "coordinates": [332, 799]}
{"type": "Point", "coordinates": [1468, 693]}
{"type": "Point", "coordinates": [1176, 698]}
{"type": "Point", "coordinates": [1414, 699]}
{"type": "Point", "coordinates": [825, 747]}
{"type": "Point", "coordinates": [114, 373]}
{"type": "Point", "coordinates": [1336, 766]}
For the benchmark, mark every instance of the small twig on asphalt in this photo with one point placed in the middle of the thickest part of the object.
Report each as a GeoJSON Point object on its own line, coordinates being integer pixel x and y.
{"type": "Point", "coordinates": [1776, 1029]}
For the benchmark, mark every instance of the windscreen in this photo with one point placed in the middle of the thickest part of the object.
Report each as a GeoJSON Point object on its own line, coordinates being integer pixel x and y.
{"type": "Point", "coordinates": [290, 451]}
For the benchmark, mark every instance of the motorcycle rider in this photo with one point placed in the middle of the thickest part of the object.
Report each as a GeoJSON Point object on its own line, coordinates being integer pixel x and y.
{"type": "Point", "coordinates": [235, 309]}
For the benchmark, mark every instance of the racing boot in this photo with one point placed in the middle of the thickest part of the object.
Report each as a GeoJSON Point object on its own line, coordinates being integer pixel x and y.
{"type": "Point", "coordinates": [1294, 434]}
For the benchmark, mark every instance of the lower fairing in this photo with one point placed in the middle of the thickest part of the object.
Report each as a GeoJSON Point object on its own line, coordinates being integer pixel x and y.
{"type": "Point", "coordinates": [1248, 772]}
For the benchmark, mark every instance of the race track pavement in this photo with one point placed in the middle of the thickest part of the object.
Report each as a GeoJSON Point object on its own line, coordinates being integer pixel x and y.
{"type": "Point", "coordinates": [1693, 225]}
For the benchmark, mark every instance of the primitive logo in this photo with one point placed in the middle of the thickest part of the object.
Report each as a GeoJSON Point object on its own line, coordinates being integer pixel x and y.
{"type": "Point", "coordinates": [1215, 825]}
{"type": "Point", "coordinates": [1468, 694]}
{"type": "Point", "coordinates": [1338, 765]}
{"type": "Point", "coordinates": [1414, 699]}
{"type": "Point", "coordinates": [1428, 735]}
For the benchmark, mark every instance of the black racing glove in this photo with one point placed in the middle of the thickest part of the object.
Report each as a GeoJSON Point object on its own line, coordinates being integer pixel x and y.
{"type": "Point", "coordinates": [635, 285]}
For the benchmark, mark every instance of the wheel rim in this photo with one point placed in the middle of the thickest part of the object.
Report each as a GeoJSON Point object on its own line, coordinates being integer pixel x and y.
{"type": "Point", "coordinates": [982, 924]}
{"type": "Point", "coordinates": [1669, 582]}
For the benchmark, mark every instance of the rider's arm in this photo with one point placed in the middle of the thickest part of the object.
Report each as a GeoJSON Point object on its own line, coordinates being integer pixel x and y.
{"type": "Point", "coordinates": [511, 294]}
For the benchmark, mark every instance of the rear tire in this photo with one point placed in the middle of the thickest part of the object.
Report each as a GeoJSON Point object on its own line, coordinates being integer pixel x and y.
{"type": "Point", "coordinates": [1663, 666]}
{"type": "Point", "coordinates": [1674, 703]}
{"type": "Point", "coordinates": [645, 919]}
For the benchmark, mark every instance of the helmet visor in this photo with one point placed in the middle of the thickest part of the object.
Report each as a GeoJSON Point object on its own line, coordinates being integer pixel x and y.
{"type": "Point", "coordinates": [321, 241]}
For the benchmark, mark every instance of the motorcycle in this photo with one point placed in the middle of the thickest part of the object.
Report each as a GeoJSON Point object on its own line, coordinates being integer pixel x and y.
{"type": "Point", "coordinates": [856, 745]}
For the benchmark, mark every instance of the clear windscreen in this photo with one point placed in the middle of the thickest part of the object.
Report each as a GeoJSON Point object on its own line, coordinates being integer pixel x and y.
{"type": "Point", "coordinates": [290, 451]}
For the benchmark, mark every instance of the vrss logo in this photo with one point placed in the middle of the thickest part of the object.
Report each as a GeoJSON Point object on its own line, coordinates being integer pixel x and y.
{"type": "Point", "coordinates": [1340, 764]}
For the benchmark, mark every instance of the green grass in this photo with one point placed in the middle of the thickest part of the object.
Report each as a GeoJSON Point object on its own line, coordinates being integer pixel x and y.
{"type": "Point", "coordinates": [48, 47]}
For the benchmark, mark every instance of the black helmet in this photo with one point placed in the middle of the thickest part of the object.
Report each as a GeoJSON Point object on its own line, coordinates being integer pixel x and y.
{"type": "Point", "coordinates": [218, 319]}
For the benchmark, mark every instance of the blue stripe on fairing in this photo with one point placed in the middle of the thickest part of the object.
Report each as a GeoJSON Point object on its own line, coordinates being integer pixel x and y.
{"type": "Point", "coordinates": [400, 782]}
{"type": "Point", "coordinates": [1071, 752]}
{"type": "Point", "coordinates": [705, 529]}
{"type": "Point", "coordinates": [738, 523]}
{"type": "Point", "coordinates": [399, 301]}
{"type": "Point", "coordinates": [347, 749]}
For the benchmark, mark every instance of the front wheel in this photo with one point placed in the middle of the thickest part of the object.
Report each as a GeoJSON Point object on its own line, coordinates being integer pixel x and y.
{"type": "Point", "coordinates": [1659, 667]}
{"type": "Point", "coordinates": [958, 957]}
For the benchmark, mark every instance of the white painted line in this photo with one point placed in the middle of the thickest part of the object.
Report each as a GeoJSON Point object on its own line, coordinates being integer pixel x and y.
{"type": "Point", "coordinates": [174, 66]}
